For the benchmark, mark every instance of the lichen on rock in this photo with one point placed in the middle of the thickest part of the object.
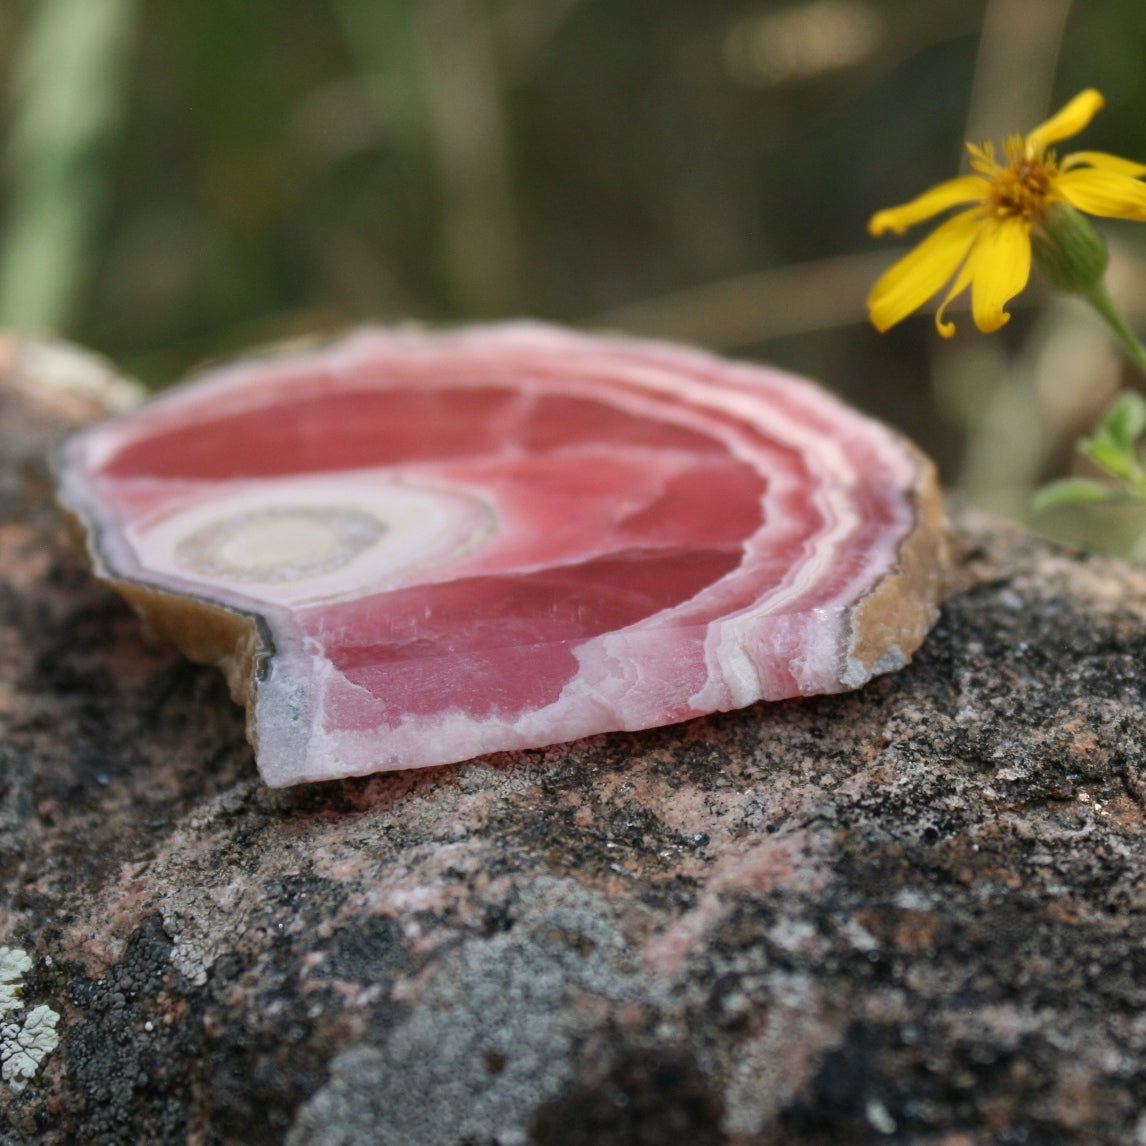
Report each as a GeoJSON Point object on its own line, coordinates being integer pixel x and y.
{"type": "Point", "coordinates": [27, 1037]}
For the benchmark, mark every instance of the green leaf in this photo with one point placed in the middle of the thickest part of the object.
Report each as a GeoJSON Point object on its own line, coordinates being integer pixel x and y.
{"type": "Point", "coordinates": [1114, 443]}
{"type": "Point", "coordinates": [1077, 491]}
{"type": "Point", "coordinates": [1115, 459]}
{"type": "Point", "coordinates": [1124, 421]}
{"type": "Point", "coordinates": [67, 94]}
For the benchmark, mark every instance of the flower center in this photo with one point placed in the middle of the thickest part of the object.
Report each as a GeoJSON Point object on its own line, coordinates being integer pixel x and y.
{"type": "Point", "coordinates": [1023, 185]}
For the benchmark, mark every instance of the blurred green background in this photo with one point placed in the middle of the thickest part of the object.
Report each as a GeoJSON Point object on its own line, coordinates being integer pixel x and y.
{"type": "Point", "coordinates": [181, 180]}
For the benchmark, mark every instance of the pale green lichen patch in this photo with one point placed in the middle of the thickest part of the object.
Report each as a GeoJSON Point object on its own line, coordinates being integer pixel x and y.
{"type": "Point", "coordinates": [14, 964]}
{"type": "Point", "coordinates": [26, 1038]}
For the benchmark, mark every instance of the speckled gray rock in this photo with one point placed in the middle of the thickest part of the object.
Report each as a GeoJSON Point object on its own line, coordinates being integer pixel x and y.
{"type": "Point", "coordinates": [913, 914]}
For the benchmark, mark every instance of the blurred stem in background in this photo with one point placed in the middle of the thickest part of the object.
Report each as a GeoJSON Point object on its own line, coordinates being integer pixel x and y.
{"type": "Point", "coordinates": [67, 100]}
{"type": "Point", "coordinates": [381, 37]}
{"type": "Point", "coordinates": [440, 60]}
{"type": "Point", "coordinates": [1019, 47]}
{"type": "Point", "coordinates": [237, 170]}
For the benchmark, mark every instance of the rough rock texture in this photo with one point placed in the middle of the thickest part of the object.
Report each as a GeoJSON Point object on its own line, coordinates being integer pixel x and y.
{"type": "Point", "coordinates": [912, 914]}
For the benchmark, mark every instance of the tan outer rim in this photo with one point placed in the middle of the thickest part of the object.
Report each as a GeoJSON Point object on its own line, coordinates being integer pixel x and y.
{"type": "Point", "coordinates": [900, 610]}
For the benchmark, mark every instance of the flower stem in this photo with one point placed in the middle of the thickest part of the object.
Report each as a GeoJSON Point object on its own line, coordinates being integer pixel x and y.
{"type": "Point", "coordinates": [1099, 297]}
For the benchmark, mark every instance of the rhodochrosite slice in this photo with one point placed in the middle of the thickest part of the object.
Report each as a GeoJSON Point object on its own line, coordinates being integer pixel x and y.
{"type": "Point", "coordinates": [409, 549]}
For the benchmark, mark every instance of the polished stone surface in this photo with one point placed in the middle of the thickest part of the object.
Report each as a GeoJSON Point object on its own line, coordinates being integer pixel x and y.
{"type": "Point", "coordinates": [509, 537]}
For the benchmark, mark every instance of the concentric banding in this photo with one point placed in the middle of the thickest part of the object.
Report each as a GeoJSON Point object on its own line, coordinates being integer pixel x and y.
{"type": "Point", "coordinates": [308, 540]}
{"type": "Point", "coordinates": [279, 543]}
{"type": "Point", "coordinates": [510, 536]}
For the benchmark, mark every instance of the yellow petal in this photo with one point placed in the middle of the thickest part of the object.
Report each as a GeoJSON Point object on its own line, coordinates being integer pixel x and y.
{"type": "Point", "coordinates": [1099, 160]}
{"type": "Point", "coordinates": [908, 284]}
{"type": "Point", "coordinates": [1000, 264]}
{"type": "Point", "coordinates": [965, 189]}
{"type": "Point", "coordinates": [961, 283]}
{"type": "Point", "coordinates": [1103, 193]}
{"type": "Point", "coordinates": [1067, 122]}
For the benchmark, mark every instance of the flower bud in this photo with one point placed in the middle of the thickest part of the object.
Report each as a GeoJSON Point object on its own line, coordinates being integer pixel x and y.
{"type": "Point", "coordinates": [1069, 253]}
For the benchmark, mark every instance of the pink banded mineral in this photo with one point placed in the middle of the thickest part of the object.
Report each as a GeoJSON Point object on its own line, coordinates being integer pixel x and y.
{"type": "Point", "coordinates": [408, 549]}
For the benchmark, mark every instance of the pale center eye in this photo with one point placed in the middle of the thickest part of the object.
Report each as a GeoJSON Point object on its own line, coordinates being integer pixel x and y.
{"type": "Point", "coordinates": [316, 537]}
{"type": "Point", "coordinates": [278, 544]}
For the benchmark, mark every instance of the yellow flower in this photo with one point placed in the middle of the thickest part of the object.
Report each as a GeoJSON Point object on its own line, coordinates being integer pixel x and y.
{"type": "Point", "coordinates": [987, 246]}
